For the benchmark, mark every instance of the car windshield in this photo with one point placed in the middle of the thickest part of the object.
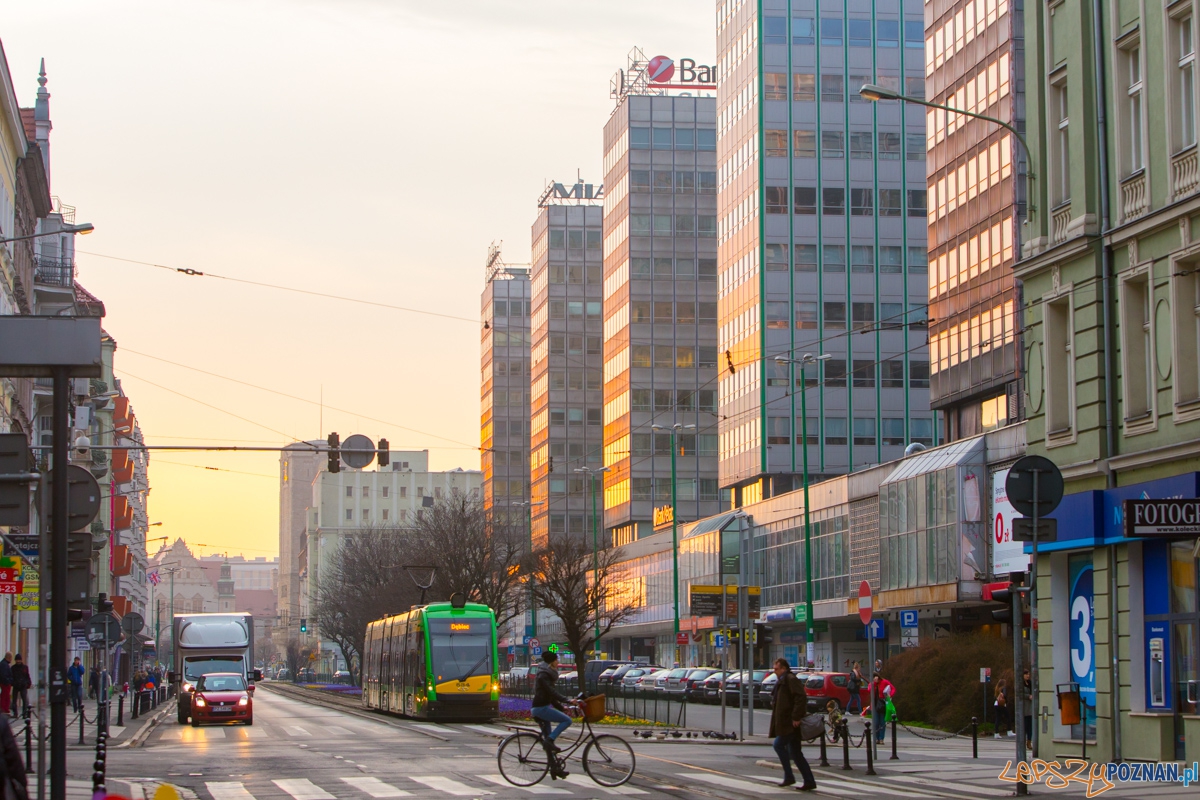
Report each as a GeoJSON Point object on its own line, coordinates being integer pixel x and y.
{"type": "Point", "coordinates": [221, 683]}
{"type": "Point", "coordinates": [197, 666]}
{"type": "Point", "coordinates": [759, 674]}
{"type": "Point", "coordinates": [461, 648]}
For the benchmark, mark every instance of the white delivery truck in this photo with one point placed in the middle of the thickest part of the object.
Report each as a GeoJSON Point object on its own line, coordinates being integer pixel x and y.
{"type": "Point", "coordinates": [206, 643]}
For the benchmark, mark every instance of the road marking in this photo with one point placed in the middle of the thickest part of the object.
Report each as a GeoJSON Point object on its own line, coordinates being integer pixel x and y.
{"type": "Point", "coordinates": [375, 787]}
{"type": "Point", "coordinates": [303, 789]}
{"type": "Point", "coordinates": [228, 790]}
{"type": "Point", "coordinates": [252, 733]}
{"type": "Point", "coordinates": [499, 781]}
{"type": "Point", "coordinates": [447, 785]}
{"type": "Point", "coordinates": [733, 783]}
{"type": "Point", "coordinates": [202, 734]}
{"type": "Point", "coordinates": [336, 731]}
{"type": "Point", "coordinates": [296, 730]}
{"type": "Point", "coordinates": [575, 779]}
{"type": "Point", "coordinates": [432, 728]}
{"type": "Point", "coordinates": [490, 731]}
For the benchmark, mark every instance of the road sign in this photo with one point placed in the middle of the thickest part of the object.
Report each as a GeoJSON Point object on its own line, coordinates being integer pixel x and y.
{"type": "Point", "coordinates": [864, 602]}
{"type": "Point", "coordinates": [537, 651]}
{"type": "Point", "coordinates": [1020, 485]}
{"type": "Point", "coordinates": [1022, 530]}
{"type": "Point", "coordinates": [800, 613]}
{"type": "Point", "coordinates": [876, 629]}
{"type": "Point", "coordinates": [705, 601]}
{"type": "Point", "coordinates": [908, 619]}
{"type": "Point", "coordinates": [533, 642]}
{"type": "Point", "coordinates": [719, 640]}
{"type": "Point", "coordinates": [103, 629]}
{"type": "Point", "coordinates": [681, 638]}
{"type": "Point", "coordinates": [512, 650]}
{"type": "Point", "coordinates": [357, 451]}
{"type": "Point", "coordinates": [985, 674]}
{"type": "Point", "coordinates": [82, 644]}
{"type": "Point", "coordinates": [84, 494]}
{"type": "Point", "coordinates": [132, 623]}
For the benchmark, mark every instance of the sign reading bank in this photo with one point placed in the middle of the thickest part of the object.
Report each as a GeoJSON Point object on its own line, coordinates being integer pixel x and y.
{"type": "Point", "coordinates": [661, 69]}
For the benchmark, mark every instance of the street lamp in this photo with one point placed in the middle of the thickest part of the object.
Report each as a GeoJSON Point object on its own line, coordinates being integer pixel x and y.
{"type": "Point", "coordinates": [674, 429]}
{"type": "Point", "coordinates": [810, 636]}
{"type": "Point", "coordinates": [82, 228]}
{"type": "Point", "coordinates": [592, 473]}
{"type": "Point", "coordinates": [529, 504]}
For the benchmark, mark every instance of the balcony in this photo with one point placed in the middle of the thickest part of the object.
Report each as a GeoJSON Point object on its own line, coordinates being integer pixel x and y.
{"type": "Point", "coordinates": [122, 561]}
{"type": "Point", "coordinates": [1060, 223]}
{"type": "Point", "coordinates": [1185, 173]}
{"type": "Point", "coordinates": [122, 605]}
{"type": "Point", "coordinates": [1135, 200]}
{"type": "Point", "coordinates": [122, 513]}
{"type": "Point", "coordinates": [122, 466]}
{"type": "Point", "coordinates": [54, 271]}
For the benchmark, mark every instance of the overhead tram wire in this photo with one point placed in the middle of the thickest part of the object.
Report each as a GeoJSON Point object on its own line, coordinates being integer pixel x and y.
{"type": "Point", "coordinates": [158, 461]}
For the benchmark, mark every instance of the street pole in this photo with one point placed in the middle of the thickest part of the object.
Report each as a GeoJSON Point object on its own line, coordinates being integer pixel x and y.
{"type": "Point", "coordinates": [58, 583]}
{"type": "Point", "coordinates": [1033, 623]}
{"type": "Point", "coordinates": [810, 635]}
{"type": "Point", "coordinates": [675, 537]}
{"type": "Point", "coordinates": [532, 598]}
{"type": "Point", "coordinates": [595, 575]}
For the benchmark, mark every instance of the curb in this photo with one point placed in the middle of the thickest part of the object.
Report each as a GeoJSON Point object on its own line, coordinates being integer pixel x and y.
{"type": "Point", "coordinates": [143, 733]}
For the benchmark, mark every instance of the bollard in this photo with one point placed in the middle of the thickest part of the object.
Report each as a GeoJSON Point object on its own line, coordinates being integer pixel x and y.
{"type": "Point", "coordinates": [99, 764]}
{"type": "Point", "coordinates": [28, 737]}
{"type": "Point", "coordinates": [846, 745]}
{"type": "Point", "coordinates": [974, 737]}
{"type": "Point", "coordinates": [81, 725]}
{"type": "Point", "coordinates": [869, 742]}
{"type": "Point", "coordinates": [133, 708]}
{"type": "Point", "coordinates": [824, 758]}
{"type": "Point", "coordinates": [894, 756]}
{"type": "Point", "coordinates": [120, 710]}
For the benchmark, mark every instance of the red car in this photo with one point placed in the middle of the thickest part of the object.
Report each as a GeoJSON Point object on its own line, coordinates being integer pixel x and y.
{"type": "Point", "coordinates": [222, 697]}
{"type": "Point", "coordinates": [821, 687]}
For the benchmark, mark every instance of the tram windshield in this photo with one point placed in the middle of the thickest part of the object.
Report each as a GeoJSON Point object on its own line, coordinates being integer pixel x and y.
{"type": "Point", "coordinates": [460, 648]}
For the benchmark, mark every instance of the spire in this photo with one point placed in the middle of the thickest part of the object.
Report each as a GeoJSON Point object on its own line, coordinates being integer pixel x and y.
{"type": "Point", "coordinates": [41, 117]}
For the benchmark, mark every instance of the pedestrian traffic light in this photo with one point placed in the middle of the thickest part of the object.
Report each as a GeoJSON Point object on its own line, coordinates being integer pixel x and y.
{"type": "Point", "coordinates": [383, 456]}
{"type": "Point", "coordinates": [550, 464]}
{"type": "Point", "coordinates": [335, 453]}
{"type": "Point", "coordinates": [766, 634]}
{"type": "Point", "coordinates": [103, 604]}
{"type": "Point", "coordinates": [1002, 592]}
{"type": "Point", "coordinates": [303, 625]}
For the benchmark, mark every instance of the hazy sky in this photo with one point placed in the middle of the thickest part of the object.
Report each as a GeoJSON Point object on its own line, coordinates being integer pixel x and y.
{"type": "Point", "coordinates": [365, 148]}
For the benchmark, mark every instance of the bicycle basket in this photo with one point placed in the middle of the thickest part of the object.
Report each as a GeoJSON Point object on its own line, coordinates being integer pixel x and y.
{"type": "Point", "coordinates": [593, 708]}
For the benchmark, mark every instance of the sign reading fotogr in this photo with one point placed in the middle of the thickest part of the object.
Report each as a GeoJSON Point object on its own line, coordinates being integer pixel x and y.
{"type": "Point", "coordinates": [1007, 555]}
{"type": "Point", "coordinates": [1168, 519]}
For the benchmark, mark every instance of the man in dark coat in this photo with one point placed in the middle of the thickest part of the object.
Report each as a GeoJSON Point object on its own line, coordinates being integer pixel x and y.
{"type": "Point", "coordinates": [789, 709]}
{"type": "Point", "coordinates": [21, 684]}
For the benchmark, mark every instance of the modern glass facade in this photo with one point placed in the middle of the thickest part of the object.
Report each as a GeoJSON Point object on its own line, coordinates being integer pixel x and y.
{"type": "Point", "coordinates": [660, 310]}
{"type": "Point", "coordinates": [821, 237]}
{"type": "Point", "coordinates": [974, 53]}
{"type": "Point", "coordinates": [504, 391]}
{"type": "Point", "coordinates": [566, 364]}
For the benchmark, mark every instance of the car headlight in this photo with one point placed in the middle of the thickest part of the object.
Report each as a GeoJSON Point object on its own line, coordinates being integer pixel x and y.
{"type": "Point", "coordinates": [199, 701]}
{"type": "Point", "coordinates": [244, 701]}
{"type": "Point", "coordinates": [187, 687]}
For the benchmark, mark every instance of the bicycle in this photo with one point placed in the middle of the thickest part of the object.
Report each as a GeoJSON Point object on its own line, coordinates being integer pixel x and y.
{"type": "Point", "coordinates": [524, 757]}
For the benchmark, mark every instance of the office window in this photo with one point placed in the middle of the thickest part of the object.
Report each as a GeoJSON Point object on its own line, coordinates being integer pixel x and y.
{"type": "Point", "coordinates": [804, 144]}
{"type": "Point", "coordinates": [1137, 349]}
{"type": "Point", "coordinates": [662, 224]}
{"type": "Point", "coordinates": [685, 182]}
{"type": "Point", "coordinates": [891, 315]}
{"type": "Point", "coordinates": [639, 180]}
{"type": "Point", "coordinates": [859, 31]}
{"type": "Point", "coordinates": [779, 430]}
{"type": "Point", "coordinates": [775, 85]}
{"type": "Point", "coordinates": [809, 427]}
{"type": "Point", "coordinates": [915, 87]}
{"type": "Point", "coordinates": [806, 258]}
{"type": "Point", "coordinates": [864, 430]}
{"type": "Point", "coordinates": [775, 30]}
{"type": "Point", "coordinates": [835, 316]}
{"type": "Point", "coordinates": [806, 315]}
{"type": "Point", "coordinates": [500, 308]}
{"type": "Point", "coordinates": [835, 373]}
{"type": "Point", "coordinates": [639, 311]}
{"type": "Point", "coordinates": [805, 198]}
{"type": "Point", "coordinates": [706, 226]}
{"type": "Point", "coordinates": [706, 182]}
{"type": "Point", "coordinates": [804, 86]}
{"type": "Point", "coordinates": [892, 430]}
{"type": "Point", "coordinates": [860, 145]}
{"type": "Point", "coordinates": [664, 311]}
{"type": "Point", "coordinates": [831, 31]}
{"type": "Point", "coordinates": [918, 373]}
{"type": "Point", "coordinates": [706, 312]}
{"type": "Point", "coordinates": [918, 259]}
{"type": "Point", "coordinates": [887, 33]}
{"type": "Point", "coordinates": [776, 200]}
{"type": "Point", "coordinates": [833, 87]}
{"type": "Point", "coordinates": [639, 138]}
{"type": "Point", "coordinates": [891, 259]}
{"type": "Point", "coordinates": [641, 399]}
{"type": "Point", "coordinates": [685, 225]}
{"type": "Point", "coordinates": [641, 355]}
{"type": "Point", "coordinates": [892, 374]}
{"type": "Point", "coordinates": [863, 317]}
{"type": "Point", "coordinates": [778, 315]}
{"type": "Point", "coordinates": [914, 34]}
{"type": "Point", "coordinates": [834, 257]}
{"type": "Point", "coordinates": [639, 225]}
{"type": "Point", "coordinates": [914, 147]}
{"type": "Point", "coordinates": [862, 258]}
{"type": "Point", "coordinates": [922, 430]}
{"type": "Point", "coordinates": [864, 372]}
{"type": "Point", "coordinates": [776, 258]}
{"type": "Point", "coordinates": [594, 309]}
{"type": "Point", "coordinates": [1185, 80]}
{"type": "Point", "coordinates": [835, 427]}
{"type": "Point", "coordinates": [861, 202]}
{"type": "Point", "coordinates": [833, 201]}
{"type": "Point", "coordinates": [916, 202]}
{"type": "Point", "coordinates": [833, 144]}
{"type": "Point", "coordinates": [706, 267]}
{"type": "Point", "coordinates": [889, 146]}
{"type": "Point", "coordinates": [775, 143]}
{"type": "Point", "coordinates": [1061, 143]}
{"type": "Point", "coordinates": [639, 267]}
{"type": "Point", "coordinates": [662, 138]}
{"type": "Point", "coordinates": [706, 138]}
{"type": "Point", "coordinates": [685, 138]}
{"type": "Point", "coordinates": [663, 182]}
{"type": "Point", "coordinates": [889, 202]}
{"type": "Point", "coordinates": [575, 310]}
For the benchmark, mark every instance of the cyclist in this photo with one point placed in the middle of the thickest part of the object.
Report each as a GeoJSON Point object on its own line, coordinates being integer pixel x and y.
{"type": "Point", "coordinates": [549, 704]}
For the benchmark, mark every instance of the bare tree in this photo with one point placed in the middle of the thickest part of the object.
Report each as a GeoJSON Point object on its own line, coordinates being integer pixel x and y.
{"type": "Point", "coordinates": [293, 653]}
{"type": "Point", "coordinates": [583, 594]}
{"type": "Point", "coordinates": [475, 552]}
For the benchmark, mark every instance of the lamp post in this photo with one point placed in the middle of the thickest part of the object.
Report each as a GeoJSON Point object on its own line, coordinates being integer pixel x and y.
{"type": "Point", "coordinates": [592, 473]}
{"type": "Point", "coordinates": [529, 504]}
{"type": "Point", "coordinates": [810, 635]}
{"type": "Point", "coordinates": [674, 429]}
{"type": "Point", "coordinates": [82, 228]}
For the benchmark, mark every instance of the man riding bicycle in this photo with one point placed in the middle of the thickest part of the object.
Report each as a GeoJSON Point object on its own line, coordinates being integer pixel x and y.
{"type": "Point", "coordinates": [548, 704]}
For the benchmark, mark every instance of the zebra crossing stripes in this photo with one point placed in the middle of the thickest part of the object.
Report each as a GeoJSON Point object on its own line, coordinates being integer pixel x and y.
{"type": "Point", "coordinates": [228, 790]}
{"type": "Point", "coordinates": [303, 789]}
{"type": "Point", "coordinates": [447, 785]}
{"type": "Point", "coordinates": [536, 789]}
{"type": "Point", "coordinates": [575, 779]}
{"type": "Point", "coordinates": [750, 787]}
{"type": "Point", "coordinates": [372, 786]}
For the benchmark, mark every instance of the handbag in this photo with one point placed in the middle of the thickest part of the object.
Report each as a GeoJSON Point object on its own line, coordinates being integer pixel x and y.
{"type": "Point", "coordinates": [812, 726]}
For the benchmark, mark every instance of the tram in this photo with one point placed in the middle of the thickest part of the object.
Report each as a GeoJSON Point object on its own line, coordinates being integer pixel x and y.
{"type": "Point", "coordinates": [438, 661]}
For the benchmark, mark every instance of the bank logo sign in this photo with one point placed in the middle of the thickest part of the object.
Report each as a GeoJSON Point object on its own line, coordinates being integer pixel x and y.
{"type": "Point", "coordinates": [660, 69]}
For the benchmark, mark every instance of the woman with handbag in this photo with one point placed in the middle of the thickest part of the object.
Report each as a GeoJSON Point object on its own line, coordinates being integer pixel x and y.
{"type": "Point", "coordinates": [1001, 706]}
{"type": "Point", "coordinates": [787, 714]}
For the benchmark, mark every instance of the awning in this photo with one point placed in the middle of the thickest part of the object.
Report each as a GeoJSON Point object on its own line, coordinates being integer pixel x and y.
{"type": "Point", "coordinates": [968, 452]}
{"type": "Point", "coordinates": [710, 524]}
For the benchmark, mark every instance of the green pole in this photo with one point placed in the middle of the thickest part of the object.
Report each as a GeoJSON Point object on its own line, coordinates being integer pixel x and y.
{"type": "Point", "coordinates": [808, 590]}
{"type": "Point", "coordinates": [532, 601]}
{"type": "Point", "coordinates": [595, 574]}
{"type": "Point", "coordinates": [675, 536]}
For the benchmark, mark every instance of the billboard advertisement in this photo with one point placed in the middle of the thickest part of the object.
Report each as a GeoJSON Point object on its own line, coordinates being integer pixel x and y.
{"type": "Point", "coordinates": [1007, 555]}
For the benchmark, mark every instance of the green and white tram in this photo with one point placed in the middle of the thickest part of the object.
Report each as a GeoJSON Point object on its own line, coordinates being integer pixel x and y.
{"type": "Point", "coordinates": [438, 661]}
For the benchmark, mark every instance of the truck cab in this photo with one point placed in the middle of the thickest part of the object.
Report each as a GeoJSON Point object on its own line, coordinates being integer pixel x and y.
{"type": "Point", "coordinates": [208, 643]}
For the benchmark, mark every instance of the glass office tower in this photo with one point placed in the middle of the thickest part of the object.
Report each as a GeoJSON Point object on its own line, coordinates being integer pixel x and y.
{"type": "Point", "coordinates": [821, 239]}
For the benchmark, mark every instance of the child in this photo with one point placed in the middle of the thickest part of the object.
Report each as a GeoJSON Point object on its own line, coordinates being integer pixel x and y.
{"type": "Point", "coordinates": [834, 716]}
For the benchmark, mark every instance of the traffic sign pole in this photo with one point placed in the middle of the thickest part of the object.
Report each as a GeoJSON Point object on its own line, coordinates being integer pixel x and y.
{"type": "Point", "coordinates": [866, 610]}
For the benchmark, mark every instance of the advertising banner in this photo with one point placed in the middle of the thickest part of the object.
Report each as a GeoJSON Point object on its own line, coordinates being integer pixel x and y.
{"type": "Point", "coordinates": [1082, 628]}
{"type": "Point", "coordinates": [1007, 555]}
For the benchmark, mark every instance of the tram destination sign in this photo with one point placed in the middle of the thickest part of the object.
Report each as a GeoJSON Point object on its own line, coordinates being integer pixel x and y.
{"type": "Point", "coordinates": [1166, 519]}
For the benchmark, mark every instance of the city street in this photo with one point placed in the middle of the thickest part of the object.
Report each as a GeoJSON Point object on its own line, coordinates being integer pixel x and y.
{"type": "Point", "coordinates": [299, 751]}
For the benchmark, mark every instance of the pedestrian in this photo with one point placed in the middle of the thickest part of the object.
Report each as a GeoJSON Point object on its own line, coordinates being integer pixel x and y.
{"type": "Point", "coordinates": [21, 684]}
{"type": "Point", "coordinates": [12, 767]}
{"type": "Point", "coordinates": [75, 674]}
{"type": "Point", "coordinates": [788, 709]}
{"type": "Point", "coordinates": [834, 716]}
{"type": "Point", "coordinates": [1028, 687]}
{"type": "Point", "coordinates": [6, 683]}
{"type": "Point", "coordinates": [94, 682]}
{"type": "Point", "coordinates": [1001, 706]}
{"type": "Point", "coordinates": [855, 686]}
{"type": "Point", "coordinates": [884, 691]}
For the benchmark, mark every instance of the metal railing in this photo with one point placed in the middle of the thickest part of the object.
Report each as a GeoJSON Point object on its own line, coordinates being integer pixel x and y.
{"type": "Point", "coordinates": [668, 708]}
{"type": "Point", "coordinates": [54, 271]}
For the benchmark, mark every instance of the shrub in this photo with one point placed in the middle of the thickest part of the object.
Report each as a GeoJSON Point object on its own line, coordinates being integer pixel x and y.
{"type": "Point", "coordinates": [938, 682]}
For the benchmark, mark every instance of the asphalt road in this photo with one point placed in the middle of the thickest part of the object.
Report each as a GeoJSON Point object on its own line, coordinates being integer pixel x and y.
{"type": "Point", "coordinates": [299, 751]}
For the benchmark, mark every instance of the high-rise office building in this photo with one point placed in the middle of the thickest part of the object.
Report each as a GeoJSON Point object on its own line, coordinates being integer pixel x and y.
{"type": "Point", "coordinates": [821, 232]}
{"type": "Point", "coordinates": [974, 54]}
{"type": "Point", "coordinates": [566, 395]}
{"type": "Point", "coordinates": [504, 391]}
{"type": "Point", "coordinates": [660, 308]}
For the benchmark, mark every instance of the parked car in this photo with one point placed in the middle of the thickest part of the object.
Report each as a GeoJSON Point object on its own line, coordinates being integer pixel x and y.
{"type": "Point", "coordinates": [618, 677]}
{"type": "Point", "coordinates": [676, 680]}
{"type": "Point", "coordinates": [733, 684]}
{"type": "Point", "coordinates": [646, 682]}
{"type": "Point", "coordinates": [568, 682]}
{"type": "Point", "coordinates": [691, 685]}
{"type": "Point", "coordinates": [712, 687]}
{"type": "Point", "coordinates": [604, 679]}
{"type": "Point", "coordinates": [662, 676]}
{"type": "Point", "coordinates": [342, 676]}
{"type": "Point", "coordinates": [632, 675]}
{"type": "Point", "coordinates": [594, 670]}
{"type": "Point", "coordinates": [822, 687]}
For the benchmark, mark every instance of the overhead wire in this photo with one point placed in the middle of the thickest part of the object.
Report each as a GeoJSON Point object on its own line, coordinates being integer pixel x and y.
{"type": "Point", "coordinates": [158, 461]}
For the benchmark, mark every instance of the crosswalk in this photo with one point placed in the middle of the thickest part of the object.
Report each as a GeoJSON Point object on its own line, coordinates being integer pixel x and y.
{"type": "Point", "coordinates": [216, 733]}
{"type": "Point", "coordinates": [355, 787]}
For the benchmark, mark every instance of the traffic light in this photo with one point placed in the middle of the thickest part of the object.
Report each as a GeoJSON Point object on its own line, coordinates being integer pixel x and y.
{"type": "Point", "coordinates": [766, 634]}
{"type": "Point", "coordinates": [103, 604]}
{"type": "Point", "coordinates": [1002, 592]}
{"type": "Point", "coordinates": [550, 464]}
{"type": "Point", "coordinates": [79, 568]}
{"type": "Point", "coordinates": [335, 453]}
{"type": "Point", "coordinates": [303, 625]}
{"type": "Point", "coordinates": [383, 456]}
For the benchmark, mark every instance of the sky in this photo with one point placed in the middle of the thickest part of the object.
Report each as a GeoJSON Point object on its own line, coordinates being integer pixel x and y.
{"type": "Point", "coordinates": [370, 149]}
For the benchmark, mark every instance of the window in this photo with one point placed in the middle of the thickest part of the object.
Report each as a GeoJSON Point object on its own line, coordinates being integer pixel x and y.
{"type": "Point", "coordinates": [1131, 122]}
{"type": "Point", "coordinates": [914, 34]}
{"type": "Point", "coordinates": [662, 224]}
{"type": "Point", "coordinates": [860, 145]}
{"type": "Point", "coordinates": [864, 430]}
{"type": "Point", "coordinates": [1061, 143]}
{"type": "Point", "coordinates": [778, 315]}
{"type": "Point", "coordinates": [892, 374]}
{"type": "Point", "coordinates": [861, 202]}
{"type": "Point", "coordinates": [775, 30]}
{"type": "Point", "coordinates": [831, 31]}
{"type": "Point", "coordinates": [685, 224]}
{"type": "Point", "coordinates": [385, 490]}
{"type": "Point", "coordinates": [804, 144]}
{"type": "Point", "coordinates": [404, 491]}
{"type": "Point", "coordinates": [641, 399]}
{"type": "Point", "coordinates": [891, 259]}
{"type": "Point", "coordinates": [775, 85]}
{"type": "Point", "coordinates": [915, 87]}
{"type": "Point", "coordinates": [803, 30]}
{"type": "Point", "coordinates": [1185, 80]}
{"type": "Point", "coordinates": [779, 430]}
{"type": "Point", "coordinates": [776, 258]}
{"type": "Point", "coordinates": [860, 32]}
{"type": "Point", "coordinates": [889, 202]}
{"type": "Point", "coordinates": [806, 315]}
{"type": "Point", "coordinates": [775, 143]}
{"type": "Point", "coordinates": [706, 138]}
{"type": "Point", "coordinates": [685, 183]}
{"type": "Point", "coordinates": [918, 259]}
{"type": "Point", "coordinates": [889, 146]}
{"type": "Point", "coordinates": [862, 258]}
{"type": "Point", "coordinates": [1185, 306]}
{"type": "Point", "coordinates": [806, 258]}
{"type": "Point", "coordinates": [835, 316]}
{"type": "Point", "coordinates": [804, 86]}
{"type": "Point", "coordinates": [805, 198]}
{"type": "Point", "coordinates": [776, 200]}
{"type": "Point", "coordinates": [639, 180]}
{"type": "Point", "coordinates": [833, 201]}
{"type": "Point", "coordinates": [385, 515]}
{"type": "Point", "coordinates": [833, 144]}
{"type": "Point", "coordinates": [366, 514]}
{"type": "Point", "coordinates": [662, 182]}
{"type": "Point", "coordinates": [864, 371]}
{"type": "Point", "coordinates": [916, 202]}
{"type": "Point", "coordinates": [1059, 365]}
{"type": "Point", "coordinates": [832, 87]}
{"type": "Point", "coordinates": [808, 427]}
{"type": "Point", "coordinates": [685, 138]}
{"type": "Point", "coordinates": [349, 491]}
{"type": "Point", "coordinates": [864, 318]}
{"type": "Point", "coordinates": [835, 427]}
{"type": "Point", "coordinates": [706, 226]}
{"type": "Point", "coordinates": [349, 514]}
{"type": "Point", "coordinates": [662, 138]}
{"type": "Point", "coordinates": [706, 182]}
{"type": "Point", "coordinates": [639, 311]}
{"type": "Point", "coordinates": [639, 225]}
{"type": "Point", "coordinates": [892, 430]}
{"type": "Point", "coordinates": [918, 374]}
{"type": "Point", "coordinates": [922, 430]}
{"type": "Point", "coordinates": [887, 33]}
{"type": "Point", "coordinates": [855, 85]}
{"type": "Point", "coordinates": [914, 147]}
{"type": "Point", "coordinates": [639, 139]}
{"type": "Point", "coordinates": [366, 491]}
{"type": "Point", "coordinates": [835, 257]}
{"type": "Point", "coordinates": [1137, 348]}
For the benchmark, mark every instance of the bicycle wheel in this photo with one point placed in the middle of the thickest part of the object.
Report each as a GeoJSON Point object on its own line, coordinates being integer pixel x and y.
{"type": "Point", "coordinates": [609, 760]}
{"type": "Point", "coordinates": [522, 759]}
